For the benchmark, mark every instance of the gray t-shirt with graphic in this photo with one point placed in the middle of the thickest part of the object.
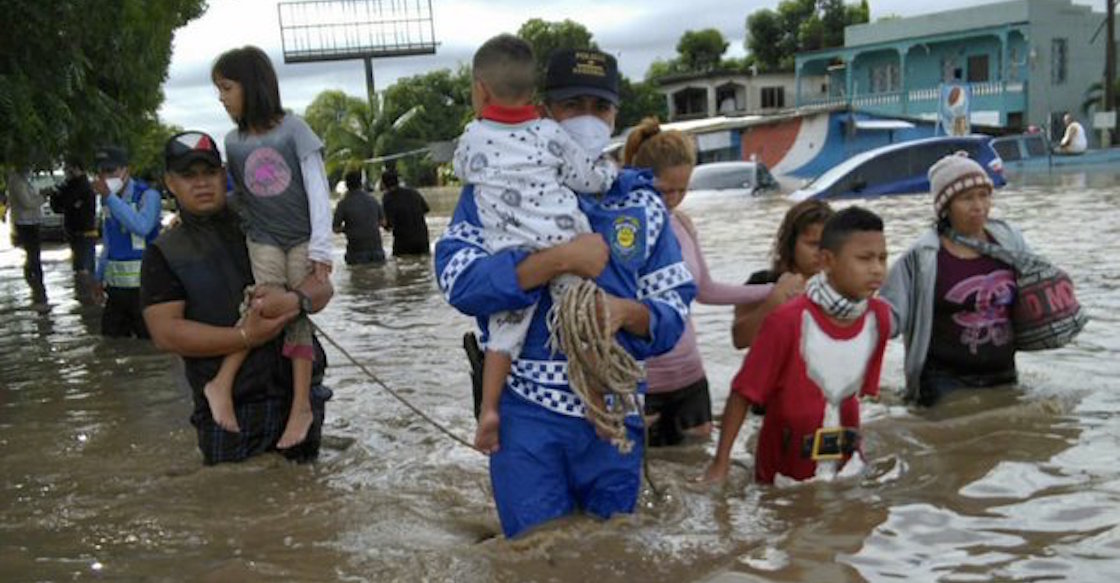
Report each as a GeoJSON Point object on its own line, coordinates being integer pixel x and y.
{"type": "Point", "coordinates": [269, 182]}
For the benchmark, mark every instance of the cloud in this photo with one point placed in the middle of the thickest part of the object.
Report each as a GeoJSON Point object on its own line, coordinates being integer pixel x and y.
{"type": "Point", "coordinates": [636, 31]}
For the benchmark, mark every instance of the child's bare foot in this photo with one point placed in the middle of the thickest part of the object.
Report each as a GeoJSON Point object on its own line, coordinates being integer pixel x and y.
{"type": "Point", "coordinates": [220, 399]}
{"type": "Point", "coordinates": [486, 435]}
{"type": "Point", "coordinates": [299, 423]}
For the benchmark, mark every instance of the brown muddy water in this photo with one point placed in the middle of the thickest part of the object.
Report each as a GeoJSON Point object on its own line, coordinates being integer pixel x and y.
{"type": "Point", "coordinates": [102, 481]}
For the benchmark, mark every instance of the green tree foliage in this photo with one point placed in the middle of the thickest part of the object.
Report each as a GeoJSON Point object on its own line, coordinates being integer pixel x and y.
{"type": "Point", "coordinates": [146, 155]}
{"type": "Point", "coordinates": [639, 101]}
{"type": "Point", "coordinates": [766, 39]}
{"type": "Point", "coordinates": [664, 68]}
{"type": "Point", "coordinates": [773, 37]}
{"type": "Point", "coordinates": [77, 74]}
{"type": "Point", "coordinates": [742, 65]}
{"type": "Point", "coordinates": [698, 51]}
{"type": "Point", "coordinates": [412, 113]}
{"type": "Point", "coordinates": [701, 50]}
{"type": "Point", "coordinates": [349, 130]}
{"type": "Point", "coordinates": [329, 109]}
{"type": "Point", "coordinates": [547, 37]}
{"type": "Point", "coordinates": [444, 99]}
{"type": "Point", "coordinates": [825, 29]}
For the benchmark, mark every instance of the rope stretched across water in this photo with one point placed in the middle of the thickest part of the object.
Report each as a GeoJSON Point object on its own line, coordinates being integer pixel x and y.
{"type": "Point", "coordinates": [600, 371]}
{"type": "Point", "coordinates": [575, 303]}
{"type": "Point", "coordinates": [395, 395]}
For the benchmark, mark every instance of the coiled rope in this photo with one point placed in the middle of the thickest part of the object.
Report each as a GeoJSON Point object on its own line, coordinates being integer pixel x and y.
{"type": "Point", "coordinates": [600, 372]}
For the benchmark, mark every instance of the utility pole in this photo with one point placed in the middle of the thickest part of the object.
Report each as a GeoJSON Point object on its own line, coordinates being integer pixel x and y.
{"type": "Point", "coordinates": [371, 93]}
{"type": "Point", "coordinates": [1110, 63]}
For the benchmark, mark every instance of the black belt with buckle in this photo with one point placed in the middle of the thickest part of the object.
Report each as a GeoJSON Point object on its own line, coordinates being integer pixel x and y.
{"type": "Point", "coordinates": [831, 443]}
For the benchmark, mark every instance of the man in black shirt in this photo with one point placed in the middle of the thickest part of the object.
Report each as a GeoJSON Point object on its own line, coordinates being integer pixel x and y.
{"type": "Point", "coordinates": [404, 216]}
{"type": "Point", "coordinates": [359, 215]}
{"type": "Point", "coordinates": [191, 287]}
{"type": "Point", "coordinates": [76, 202]}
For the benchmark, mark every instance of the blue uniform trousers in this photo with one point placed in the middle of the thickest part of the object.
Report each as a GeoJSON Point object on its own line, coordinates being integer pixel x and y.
{"type": "Point", "coordinates": [549, 465]}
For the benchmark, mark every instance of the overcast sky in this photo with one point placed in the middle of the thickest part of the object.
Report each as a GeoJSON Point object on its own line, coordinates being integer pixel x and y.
{"type": "Point", "coordinates": [635, 31]}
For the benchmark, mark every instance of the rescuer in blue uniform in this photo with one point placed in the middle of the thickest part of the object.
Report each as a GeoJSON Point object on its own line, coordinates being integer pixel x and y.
{"type": "Point", "coordinates": [550, 461]}
{"type": "Point", "coordinates": [132, 213]}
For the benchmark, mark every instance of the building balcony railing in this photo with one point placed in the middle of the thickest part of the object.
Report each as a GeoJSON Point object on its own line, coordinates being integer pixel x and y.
{"type": "Point", "coordinates": [917, 100]}
{"type": "Point", "coordinates": [927, 94]}
{"type": "Point", "coordinates": [985, 89]}
{"type": "Point", "coordinates": [884, 98]}
{"type": "Point", "coordinates": [817, 102]}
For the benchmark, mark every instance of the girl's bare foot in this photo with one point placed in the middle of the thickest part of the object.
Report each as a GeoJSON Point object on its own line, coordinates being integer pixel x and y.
{"type": "Point", "coordinates": [486, 435]}
{"type": "Point", "coordinates": [299, 423]}
{"type": "Point", "coordinates": [220, 399]}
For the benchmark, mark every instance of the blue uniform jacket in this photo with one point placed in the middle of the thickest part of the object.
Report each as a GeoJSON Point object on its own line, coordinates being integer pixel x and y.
{"type": "Point", "coordinates": [130, 217]}
{"type": "Point", "coordinates": [645, 265]}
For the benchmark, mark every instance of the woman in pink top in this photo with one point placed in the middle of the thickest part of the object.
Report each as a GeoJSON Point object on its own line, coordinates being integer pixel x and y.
{"type": "Point", "coordinates": [678, 402]}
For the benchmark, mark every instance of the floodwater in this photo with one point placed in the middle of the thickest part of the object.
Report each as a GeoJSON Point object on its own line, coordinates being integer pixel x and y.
{"type": "Point", "coordinates": [102, 480]}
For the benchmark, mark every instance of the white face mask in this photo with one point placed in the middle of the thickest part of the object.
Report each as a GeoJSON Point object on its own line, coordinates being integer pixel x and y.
{"type": "Point", "coordinates": [114, 185]}
{"type": "Point", "coordinates": [588, 131]}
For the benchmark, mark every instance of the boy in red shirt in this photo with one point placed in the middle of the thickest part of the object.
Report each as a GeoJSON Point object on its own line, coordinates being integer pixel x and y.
{"type": "Point", "coordinates": [814, 357]}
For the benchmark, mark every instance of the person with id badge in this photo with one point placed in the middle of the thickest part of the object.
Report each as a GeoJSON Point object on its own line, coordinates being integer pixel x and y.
{"type": "Point", "coordinates": [130, 221]}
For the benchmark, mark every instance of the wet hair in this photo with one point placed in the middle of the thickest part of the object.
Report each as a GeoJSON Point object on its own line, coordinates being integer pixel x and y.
{"type": "Point", "coordinates": [798, 218]}
{"type": "Point", "coordinates": [353, 179]}
{"type": "Point", "coordinates": [649, 147]}
{"type": "Point", "coordinates": [844, 223]}
{"type": "Point", "coordinates": [506, 66]}
{"type": "Point", "coordinates": [251, 68]}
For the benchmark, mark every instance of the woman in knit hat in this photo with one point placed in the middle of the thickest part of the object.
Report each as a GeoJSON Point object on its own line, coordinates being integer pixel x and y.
{"type": "Point", "coordinates": [952, 304]}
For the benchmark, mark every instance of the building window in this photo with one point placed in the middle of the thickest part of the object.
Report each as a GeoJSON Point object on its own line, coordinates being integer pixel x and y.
{"type": "Point", "coordinates": [729, 99]}
{"type": "Point", "coordinates": [773, 97]}
{"type": "Point", "coordinates": [690, 102]}
{"type": "Point", "coordinates": [1059, 57]}
{"type": "Point", "coordinates": [885, 78]}
{"type": "Point", "coordinates": [1013, 64]}
{"type": "Point", "coordinates": [1015, 120]}
{"type": "Point", "coordinates": [978, 69]}
{"type": "Point", "coordinates": [951, 70]}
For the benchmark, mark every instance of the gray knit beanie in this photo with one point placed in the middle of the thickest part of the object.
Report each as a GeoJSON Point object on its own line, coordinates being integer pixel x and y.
{"type": "Point", "coordinates": [952, 175]}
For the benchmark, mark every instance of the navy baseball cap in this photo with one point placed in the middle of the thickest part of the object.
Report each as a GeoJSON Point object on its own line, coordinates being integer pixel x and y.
{"type": "Point", "coordinates": [186, 148]}
{"type": "Point", "coordinates": [578, 72]}
{"type": "Point", "coordinates": [110, 158]}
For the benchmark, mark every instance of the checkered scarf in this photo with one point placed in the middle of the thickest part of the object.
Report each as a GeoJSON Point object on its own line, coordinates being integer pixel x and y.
{"type": "Point", "coordinates": [831, 301]}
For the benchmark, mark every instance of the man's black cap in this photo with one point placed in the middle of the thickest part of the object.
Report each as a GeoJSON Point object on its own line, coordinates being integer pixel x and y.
{"type": "Point", "coordinates": [186, 148]}
{"type": "Point", "coordinates": [578, 72]}
{"type": "Point", "coordinates": [110, 157]}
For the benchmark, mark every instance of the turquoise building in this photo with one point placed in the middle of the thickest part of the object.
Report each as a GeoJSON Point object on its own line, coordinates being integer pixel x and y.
{"type": "Point", "coordinates": [1027, 61]}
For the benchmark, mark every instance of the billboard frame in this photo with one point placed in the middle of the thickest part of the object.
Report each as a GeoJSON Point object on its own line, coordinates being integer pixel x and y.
{"type": "Point", "coordinates": [341, 30]}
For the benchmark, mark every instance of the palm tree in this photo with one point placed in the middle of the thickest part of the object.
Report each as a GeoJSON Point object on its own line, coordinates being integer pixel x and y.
{"type": "Point", "coordinates": [355, 132]}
